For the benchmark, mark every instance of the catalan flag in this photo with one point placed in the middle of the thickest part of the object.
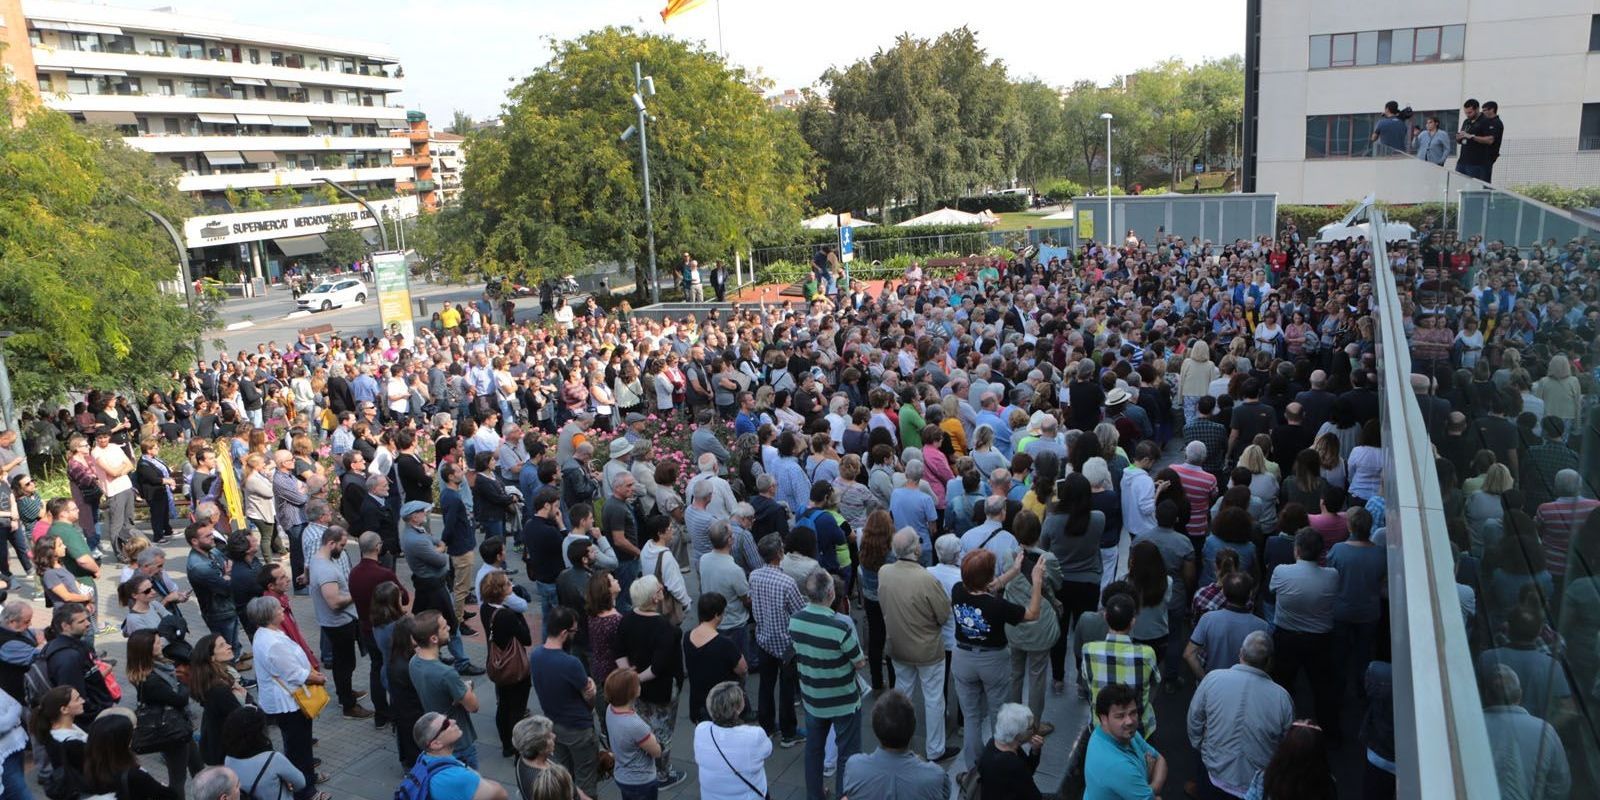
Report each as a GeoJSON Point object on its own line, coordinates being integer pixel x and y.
{"type": "Point", "coordinates": [676, 7]}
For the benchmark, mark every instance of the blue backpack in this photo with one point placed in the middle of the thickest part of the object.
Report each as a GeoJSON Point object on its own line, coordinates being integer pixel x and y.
{"type": "Point", "coordinates": [415, 785]}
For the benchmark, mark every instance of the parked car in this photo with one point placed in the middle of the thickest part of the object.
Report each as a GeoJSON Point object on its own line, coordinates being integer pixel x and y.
{"type": "Point", "coordinates": [332, 293]}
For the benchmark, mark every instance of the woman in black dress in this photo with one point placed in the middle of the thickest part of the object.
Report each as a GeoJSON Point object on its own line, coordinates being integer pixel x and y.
{"type": "Point", "coordinates": [709, 657]}
{"type": "Point", "coordinates": [405, 707]}
{"type": "Point", "coordinates": [216, 687]}
{"type": "Point", "coordinates": [650, 645]}
{"type": "Point", "coordinates": [502, 627]}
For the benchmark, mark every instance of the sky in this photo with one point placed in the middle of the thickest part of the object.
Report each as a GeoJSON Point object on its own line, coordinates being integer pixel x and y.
{"type": "Point", "coordinates": [461, 54]}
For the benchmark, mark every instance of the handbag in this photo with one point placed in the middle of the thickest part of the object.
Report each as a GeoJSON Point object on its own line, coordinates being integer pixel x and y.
{"type": "Point", "coordinates": [735, 770]}
{"type": "Point", "coordinates": [158, 727]}
{"type": "Point", "coordinates": [310, 698]}
{"type": "Point", "coordinates": [671, 609]}
{"type": "Point", "coordinates": [509, 664]}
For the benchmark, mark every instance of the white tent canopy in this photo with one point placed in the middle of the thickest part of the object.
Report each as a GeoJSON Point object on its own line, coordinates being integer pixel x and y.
{"type": "Point", "coordinates": [949, 216]}
{"type": "Point", "coordinates": [824, 222]}
{"type": "Point", "coordinates": [1065, 214]}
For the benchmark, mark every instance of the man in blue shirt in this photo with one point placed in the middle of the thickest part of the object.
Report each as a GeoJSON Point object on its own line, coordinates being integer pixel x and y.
{"type": "Point", "coordinates": [566, 693]}
{"type": "Point", "coordinates": [913, 508]}
{"type": "Point", "coordinates": [364, 388]}
{"type": "Point", "coordinates": [1120, 764]}
{"type": "Point", "coordinates": [747, 420]}
{"type": "Point", "coordinates": [447, 778]}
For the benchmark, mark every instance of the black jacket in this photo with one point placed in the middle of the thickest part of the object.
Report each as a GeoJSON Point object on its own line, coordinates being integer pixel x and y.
{"type": "Point", "coordinates": [543, 541]}
{"type": "Point", "coordinates": [770, 517]}
{"type": "Point", "coordinates": [70, 662]}
{"type": "Point", "coordinates": [340, 399]}
{"type": "Point", "coordinates": [490, 502]}
{"type": "Point", "coordinates": [352, 493]}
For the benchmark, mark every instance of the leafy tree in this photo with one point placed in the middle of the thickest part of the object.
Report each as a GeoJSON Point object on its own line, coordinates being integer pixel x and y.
{"type": "Point", "coordinates": [345, 245]}
{"type": "Point", "coordinates": [461, 122]}
{"type": "Point", "coordinates": [553, 189]}
{"type": "Point", "coordinates": [80, 261]}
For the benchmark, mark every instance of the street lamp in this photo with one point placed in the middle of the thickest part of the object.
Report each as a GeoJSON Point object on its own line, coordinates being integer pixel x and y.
{"type": "Point", "coordinates": [183, 267]}
{"type": "Point", "coordinates": [645, 86]}
{"type": "Point", "coordinates": [1107, 117]}
{"type": "Point", "coordinates": [383, 230]}
{"type": "Point", "coordinates": [8, 411]}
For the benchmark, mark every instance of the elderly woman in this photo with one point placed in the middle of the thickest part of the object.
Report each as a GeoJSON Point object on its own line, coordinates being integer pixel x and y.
{"type": "Point", "coordinates": [281, 668]}
{"type": "Point", "coordinates": [1194, 379]}
{"type": "Point", "coordinates": [1103, 498]}
{"type": "Point", "coordinates": [1486, 508]}
{"type": "Point", "coordinates": [936, 465]}
{"type": "Point", "coordinates": [535, 740]}
{"type": "Point", "coordinates": [982, 665]}
{"type": "Point", "coordinates": [650, 646]}
{"type": "Point", "coordinates": [731, 755]}
{"type": "Point", "coordinates": [1006, 767]}
{"type": "Point", "coordinates": [1561, 392]}
{"type": "Point", "coordinates": [856, 501]}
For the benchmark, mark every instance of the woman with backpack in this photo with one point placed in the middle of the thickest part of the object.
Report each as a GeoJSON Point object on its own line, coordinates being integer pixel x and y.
{"type": "Point", "coordinates": [263, 773]}
{"type": "Point", "coordinates": [506, 630]}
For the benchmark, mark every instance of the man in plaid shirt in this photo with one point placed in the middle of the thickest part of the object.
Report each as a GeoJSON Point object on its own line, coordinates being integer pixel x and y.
{"type": "Point", "coordinates": [1119, 660]}
{"type": "Point", "coordinates": [774, 599]}
{"type": "Point", "coordinates": [1208, 431]}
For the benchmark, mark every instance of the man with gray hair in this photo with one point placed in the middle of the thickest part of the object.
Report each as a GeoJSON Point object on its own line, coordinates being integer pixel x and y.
{"type": "Point", "coordinates": [770, 516]}
{"type": "Point", "coordinates": [1199, 487]}
{"type": "Point", "coordinates": [1529, 758]}
{"type": "Point", "coordinates": [827, 654]}
{"type": "Point", "coordinates": [913, 508]}
{"type": "Point", "coordinates": [1049, 440]}
{"type": "Point", "coordinates": [915, 609]}
{"type": "Point", "coordinates": [722, 499]}
{"type": "Point", "coordinates": [290, 495]}
{"type": "Point", "coordinates": [1238, 715]}
{"type": "Point", "coordinates": [991, 535]}
{"type": "Point", "coordinates": [744, 541]}
{"type": "Point", "coordinates": [697, 521]}
{"type": "Point", "coordinates": [19, 646]}
{"type": "Point", "coordinates": [1561, 518]}
{"type": "Point", "coordinates": [720, 573]}
{"type": "Point", "coordinates": [215, 783]}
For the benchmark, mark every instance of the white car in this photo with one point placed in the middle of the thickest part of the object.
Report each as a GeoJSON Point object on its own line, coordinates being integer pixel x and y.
{"type": "Point", "coordinates": [334, 292]}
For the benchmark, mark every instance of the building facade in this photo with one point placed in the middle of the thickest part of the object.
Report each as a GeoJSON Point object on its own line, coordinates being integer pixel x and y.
{"type": "Point", "coordinates": [1324, 72]}
{"type": "Point", "coordinates": [449, 161]}
{"type": "Point", "coordinates": [258, 122]}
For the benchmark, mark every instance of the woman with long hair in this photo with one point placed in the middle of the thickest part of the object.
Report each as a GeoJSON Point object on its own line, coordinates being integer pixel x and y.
{"type": "Point", "coordinates": [1298, 769]}
{"type": "Point", "coordinates": [1263, 485]}
{"type": "Point", "coordinates": [1304, 485]}
{"type": "Point", "coordinates": [1072, 532]}
{"type": "Point", "coordinates": [875, 552]}
{"type": "Point", "coordinates": [145, 610]}
{"type": "Point", "coordinates": [54, 727]}
{"type": "Point", "coordinates": [217, 688]}
{"type": "Point", "coordinates": [605, 621]}
{"type": "Point", "coordinates": [405, 706]}
{"type": "Point", "coordinates": [156, 679]}
{"type": "Point", "coordinates": [1147, 571]}
{"type": "Point", "coordinates": [1365, 464]}
{"type": "Point", "coordinates": [1343, 425]}
{"type": "Point", "coordinates": [111, 768]}
{"type": "Point", "coordinates": [1046, 469]}
{"type": "Point", "coordinates": [502, 626]}
{"type": "Point", "coordinates": [84, 480]}
{"type": "Point", "coordinates": [263, 773]}
{"type": "Point", "coordinates": [1330, 462]}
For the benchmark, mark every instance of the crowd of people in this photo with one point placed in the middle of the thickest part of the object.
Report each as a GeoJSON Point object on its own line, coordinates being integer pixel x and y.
{"type": "Point", "coordinates": [1164, 459]}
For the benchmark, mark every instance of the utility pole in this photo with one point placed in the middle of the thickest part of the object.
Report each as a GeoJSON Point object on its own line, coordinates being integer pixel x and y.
{"type": "Point", "coordinates": [644, 85]}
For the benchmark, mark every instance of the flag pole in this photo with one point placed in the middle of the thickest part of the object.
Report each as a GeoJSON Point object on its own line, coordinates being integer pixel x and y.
{"type": "Point", "coordinates": [720, 51]}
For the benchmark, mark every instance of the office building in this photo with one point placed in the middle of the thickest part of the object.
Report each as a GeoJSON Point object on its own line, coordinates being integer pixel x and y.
{"type": "Point", "coordinates": [260, 123]}
{"type": "Point", "coordinates": [1321, 73]}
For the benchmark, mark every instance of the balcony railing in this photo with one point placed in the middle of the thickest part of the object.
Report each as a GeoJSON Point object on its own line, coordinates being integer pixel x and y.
{"type": "Point", "coordinates": [411, 160]}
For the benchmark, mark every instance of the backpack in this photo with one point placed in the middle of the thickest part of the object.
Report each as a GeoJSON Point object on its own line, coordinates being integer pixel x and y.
{"type": "Point", "coordinates": [415, 785]}
{"type": "Point", "coordinates": [968, 786]}
{"type": "Point", "coordinates": [36, 681]}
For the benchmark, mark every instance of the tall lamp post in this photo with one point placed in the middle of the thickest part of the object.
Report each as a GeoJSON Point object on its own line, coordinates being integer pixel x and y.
{"type": "Point", "coordinates": [8, 410]}
{"type": "Point", "coordinates": [183, 265]}
{"type": "Point", "coordinates": [643, 86]}
{"type": "Point", "coordinates": [1109, 234]}
{"type": "Point", "coordinates": [383, 230]}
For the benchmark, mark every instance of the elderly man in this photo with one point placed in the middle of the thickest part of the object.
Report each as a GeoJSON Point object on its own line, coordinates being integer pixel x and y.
{"type": "Point", "coordinates": [697, 521]}
{"type": "Point", "coordinates": [621, 462]}
{"type": "Point", "coordinates": [915, 509]}
{"type": "Point", "coordinates": [915, 609]}
{"type": "Point", "coordinates": [744, 542]}
{"type": "Point", "coordinates": [828, 657]}
{"type": "Point", "coordinates": [768, 515]}
{"type": "Point", "coordinates": [1199, 488]}
{"type": "Point", "coordinates": [894, 771]}
{"type": "Point", "coordinates": [774, 598]}
{"type": "Point", "coordinates": [213, 783]}
{"type": "Point", "coordinates": [289, 498]}
{"type": "Point", "coordinates": [20, 644]}
{"type": "Point", "coordinates": [579, 485]}
{"type": "Point", "coordinates": [704, 440]}
{"type": "Point", "coordinates": [991, 535]}
{"type": "Point", "coordinates": [426, 557]}
{"type": "Point", "coordinates": [620, 525]}
{"type": "Point", "coordinates": [511, 457]}
{"type": "Point", "coordinates": [1529, 758]}
{"type": "Point", "coordinates": [722, 499]}
{"type": "Point", "coordinates": [719, 572]}
{"type": "Point", "coordinates": [1237, 716]}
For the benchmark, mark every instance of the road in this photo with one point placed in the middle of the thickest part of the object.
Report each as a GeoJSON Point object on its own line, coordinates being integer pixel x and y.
{"type": "Point", "coordinates": [246, 322]}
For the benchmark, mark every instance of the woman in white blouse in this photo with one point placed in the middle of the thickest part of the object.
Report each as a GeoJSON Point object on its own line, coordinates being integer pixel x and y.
{"type": "Point", "coordinates": [656, 558]}
{"type": "Point", "coordinates": [281, 669]}
{"type": "Point", "coordinates": [731, 755]}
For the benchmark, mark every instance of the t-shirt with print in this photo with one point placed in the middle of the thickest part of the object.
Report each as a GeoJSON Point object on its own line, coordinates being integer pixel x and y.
{"type": "Point", "coordinates": [323, 572]}
{"type": "Point", "coordinates": [440, 688]}
{"type": "Point", "coordinates": [634, 766]}
{"type": "Point", "coordinates": [981, 619]}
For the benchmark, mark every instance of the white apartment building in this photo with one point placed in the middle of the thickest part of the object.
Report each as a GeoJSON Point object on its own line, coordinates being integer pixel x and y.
{"type": "Point", "coordinates": [255, 119]}
{"type": "Point", "coordinates": [449, 153]}
{"type": "Point", "coordinates": [1326, 70]}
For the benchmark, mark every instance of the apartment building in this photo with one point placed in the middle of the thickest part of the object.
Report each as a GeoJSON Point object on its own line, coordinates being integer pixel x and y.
{"type": "Point", "coordinates": [449, 154]}
{"type": "Point", "coordinates": [262, 124]}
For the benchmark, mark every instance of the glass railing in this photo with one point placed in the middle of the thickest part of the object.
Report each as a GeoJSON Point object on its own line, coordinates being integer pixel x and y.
{"type": "Point", "coordinates": [1497, 484]}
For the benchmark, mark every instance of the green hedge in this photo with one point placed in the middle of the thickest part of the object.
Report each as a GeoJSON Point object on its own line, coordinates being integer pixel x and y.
{"type": "Point", "coordinates": [1309, 218]}
{"type": "Point", "coordinates": [998, 203]}
{"type": "Point", "coordinates": [1587, 197]}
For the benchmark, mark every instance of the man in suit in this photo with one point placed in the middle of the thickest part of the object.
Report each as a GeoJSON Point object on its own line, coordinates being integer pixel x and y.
{"type": "Point", "coordinates": [1316, 403]}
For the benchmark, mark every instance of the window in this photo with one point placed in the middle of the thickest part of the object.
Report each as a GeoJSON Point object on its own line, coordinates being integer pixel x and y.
{"type": "Point", "coordinates": [120, 43]}
{"type": "Point", "coordinates": [1589, 127]}
{"type": "Point", "coordinates": [1349, 135]}
{"type": "Point", "coordinates": [164, 87]}
{"type": "Point", "coordinates": [44, 82]}
{"type": "Point", "coordinates": [327, 95]}
{"type": "Point", "coordinates": [197, 88]}
{"type": "Point", "coordinates": [191, 48]}
{"type": "Point", "coordinates": [322, 63]}
{"type": "Point", "coordinates": [1594, 33]}
{"type": "Point", "coordinates": [158, 47]}
{"type": "Point", "coordinates": [35, 37]}
{"type": "Point", "coordinates": [255, 56]}
{"type": "Point", "coordinates": [84, 42]}
{"type": "Point", "coordinates": [171, 125]}
{"type": "Point", "coordinates": [1398, 46]}
{"type": "Point", "coordinates": [277, 58]}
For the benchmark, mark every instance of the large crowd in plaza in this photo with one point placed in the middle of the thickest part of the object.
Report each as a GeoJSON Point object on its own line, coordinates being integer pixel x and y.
{"type": "Point", "coordinates": [1155, 470]}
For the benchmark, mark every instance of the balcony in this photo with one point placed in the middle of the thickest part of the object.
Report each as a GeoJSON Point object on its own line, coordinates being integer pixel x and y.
{"type": "Point", "coordinates": [411, 160]}
{"type": "Point", "coordinates": [424, 186]}
{"type": "Point", "coordinates": [197, 182]}
{"type": "Point", "coordinates": [415, 135]}
{"type": "Point", "coordinates": [177, 143]}
{"type": "Point", "coordinates": [171, 64]}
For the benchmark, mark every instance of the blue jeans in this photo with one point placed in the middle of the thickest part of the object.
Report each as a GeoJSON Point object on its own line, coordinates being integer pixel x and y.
{"type": "Point", "coordinates": [847, 729]}
{"type": "Point", "coordinates": [548, 598]}
{"type": "Point", "coordinates": [1479, 171]}
{"type": "Point", "coordinates": [15, 785]}
{"type": "Point", "coordinates": [627, 572]}
{"type": "Point", "coordinates": [643, 791]}
{"type": "Point", "coordinates": [494, 528]}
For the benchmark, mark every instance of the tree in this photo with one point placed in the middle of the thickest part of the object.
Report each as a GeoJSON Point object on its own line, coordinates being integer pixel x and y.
{"type": "Point", "coordinates": [461, 122]}
{"type": "Point", "coordinates": [552, 189]}
{"type": "Point", "coordinates": [80, 261]}
{"type": "Point", "coordinates": [345, 245]}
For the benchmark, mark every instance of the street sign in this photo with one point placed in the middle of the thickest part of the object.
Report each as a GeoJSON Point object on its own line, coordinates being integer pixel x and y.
{"type": "Point", "coordinates": [394, 293]}
{"type": "Point", "coordinates": [847, 239]}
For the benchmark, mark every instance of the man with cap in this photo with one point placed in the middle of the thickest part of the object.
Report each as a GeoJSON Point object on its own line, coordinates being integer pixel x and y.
{"type": "Point", "coordinates": [704, 439]}
{"type": "Point", "coordinates": [425, 555]}
{"type": "Point", "coordinates": [621, 462]}
{"type": "Point", "coordinates": [634, 432]}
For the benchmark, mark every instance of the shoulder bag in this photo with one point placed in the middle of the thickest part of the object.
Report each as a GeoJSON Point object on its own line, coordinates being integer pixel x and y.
{"type": "Point", "coordinates": [259, 775]}
{"type": "Point", "coordinates": [311, 699]}
{"type": "Point", "coordinates": [672, 610]}
{"type": "Point", "coordinates": [509, 664]}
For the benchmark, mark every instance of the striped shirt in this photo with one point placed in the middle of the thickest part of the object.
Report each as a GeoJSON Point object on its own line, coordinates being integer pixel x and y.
{"type": "Point", "coordinates": [1559, 521]}
{"type": "Point", "coordinates": [1119, 660]}
{"type": "Point", "coordinates": [1200, 487]}
{"type": "Point", "coordinates": [774, 598]}
{"type": "Point", "coordinates": [826, 652]}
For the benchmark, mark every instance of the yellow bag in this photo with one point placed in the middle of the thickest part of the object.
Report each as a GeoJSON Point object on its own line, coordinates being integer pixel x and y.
{"type": "Point", "coordinates": [311, 698]}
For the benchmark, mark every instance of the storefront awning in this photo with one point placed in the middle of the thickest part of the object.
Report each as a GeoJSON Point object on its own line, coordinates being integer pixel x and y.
{"type": "Point", "coordinates": [260, 156]}
{"type": "Point", "coordinates": [219, 119]}
{"type": "Point", "coordinates": [254, 119]}
{"type": "Point", "coordinates": [110, 73]}
{"type": "Point", "coordinates": [110, 118]}
{"type": "Point", "coordinates": [248, 82]}
{"type": "Point", "coordinates": [290, 122]}
{"type": "Point", "coordinates": [293, 246]}
{"type": "Point", "coordinates": [75, 27]}
{"type": "Point", "coordinates": [224, 158]}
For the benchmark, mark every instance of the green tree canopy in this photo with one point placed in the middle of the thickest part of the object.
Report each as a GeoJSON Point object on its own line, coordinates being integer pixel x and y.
{"type": "Point", "coordinates": [346, 245]}
{"type": "Point", "coordinates": [553, 189]}
{"type": "Point", "coordinates": [80, 262]}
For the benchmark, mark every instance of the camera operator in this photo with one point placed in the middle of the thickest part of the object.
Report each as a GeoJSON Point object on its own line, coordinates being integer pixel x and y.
{"type": "Point", "coordinates": [1389, 135]}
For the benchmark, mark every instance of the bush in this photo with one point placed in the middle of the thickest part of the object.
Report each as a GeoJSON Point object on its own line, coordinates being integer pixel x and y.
{"type": "Point", "coordinates": [1587, 197]}
{"type": "Point", "coordinates": [1309, 218]}
{"type": "Point", "coordinates": [1060, 189]}
{"type": "Point", "coordinates": [1154, 191]}
{"type": "Point", "coordinates": [997, 203]}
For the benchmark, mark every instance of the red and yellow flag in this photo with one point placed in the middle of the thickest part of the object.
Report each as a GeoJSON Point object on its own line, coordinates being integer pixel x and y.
{"type": "Point", "coordinates": [676, 7]}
